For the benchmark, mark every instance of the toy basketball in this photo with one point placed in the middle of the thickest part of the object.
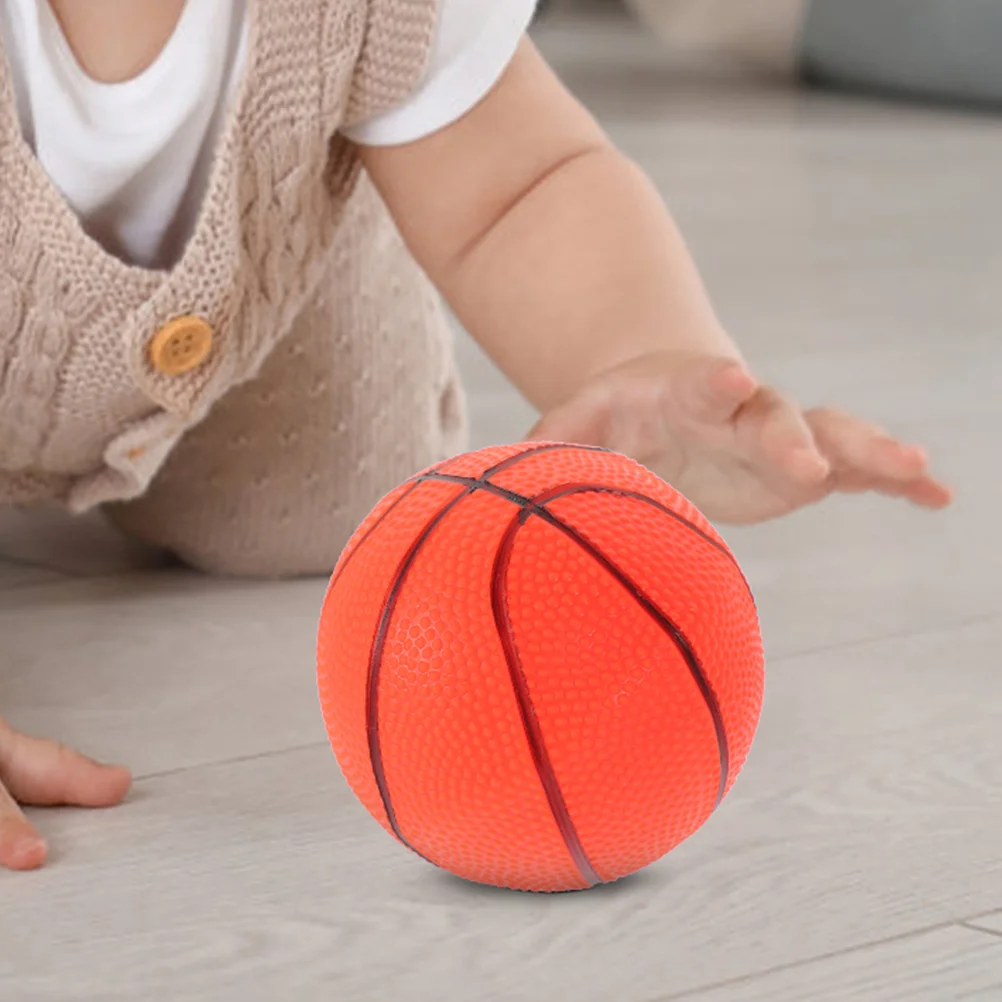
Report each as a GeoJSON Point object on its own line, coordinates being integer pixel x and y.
{"type": "Point", "coordinates": [539, 666]}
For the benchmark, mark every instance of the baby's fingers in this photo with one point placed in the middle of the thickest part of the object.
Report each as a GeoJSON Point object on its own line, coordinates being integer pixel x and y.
{"type": "Point", "coordinates": [46, 773]}
{"type": "Point", "coordinates": [21, 847]}
{"type": "Point", "coordinates": [864, 457]}
{"type": "Point", "coordinates": [775, 430]}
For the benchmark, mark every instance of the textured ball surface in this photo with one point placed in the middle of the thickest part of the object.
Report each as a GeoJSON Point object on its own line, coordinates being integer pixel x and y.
{"type": "Point", "coordinates": [539, 666]}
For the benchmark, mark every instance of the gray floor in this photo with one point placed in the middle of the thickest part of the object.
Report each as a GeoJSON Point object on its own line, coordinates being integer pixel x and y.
{"type": "Point", "coordinates": [855, 249]}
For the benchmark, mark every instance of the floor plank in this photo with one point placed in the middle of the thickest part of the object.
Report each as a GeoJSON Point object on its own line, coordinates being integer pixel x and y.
{"type": "Point", "coordinates": [953, 963]}
{"type": "Point", "coordinates": [164, 670]}
{"type": "Point", "coordinates": [870, 809]}
{"type": "Point", "coordinates": [988, 923]}
{"type": "Point", "coordinates": [48, 538]}
{"type": "Point", "coordinates": [17, 575]}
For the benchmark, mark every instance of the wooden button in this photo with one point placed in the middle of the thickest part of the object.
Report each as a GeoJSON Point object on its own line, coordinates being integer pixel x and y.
{"type": "Point", "coordinates": [180, 346]}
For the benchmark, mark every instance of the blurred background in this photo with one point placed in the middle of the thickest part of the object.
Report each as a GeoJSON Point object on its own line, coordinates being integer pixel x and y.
{"type": "Point", "coordinates": [921, 49]}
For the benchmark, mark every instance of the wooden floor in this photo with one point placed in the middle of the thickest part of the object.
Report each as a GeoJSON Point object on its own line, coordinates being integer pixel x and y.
{"type": "Point", "coordinates": [855, 249]}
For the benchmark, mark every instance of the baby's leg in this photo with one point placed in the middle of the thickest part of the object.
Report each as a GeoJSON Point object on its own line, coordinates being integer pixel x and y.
{"type": "Point", "coordinates": [762, 34]}
{"type": "Point", "coordinates": [360, 396]}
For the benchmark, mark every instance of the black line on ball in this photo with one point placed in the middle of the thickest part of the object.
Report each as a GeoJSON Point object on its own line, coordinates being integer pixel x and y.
{"type": "Point", "coordinates": [567, 490]}
{"type": "Point", "coordinates": [536, 506]}
{"type": "Point", "coordinates": [529, 507]}
{"type": "Point", "coordinates": [527, 712]}
{"type": "Point", "coordinates": [415, 483]}
{"type": "Point", "coordinates": [376, 662]}
{"type": "Point", "coordinates": [343, 565]}
{"type": "Point", "coordinates": [573, 489]}
{"type": "Point", "coordinates": [435, 474]}
{"type": "Point", "coordinates": [389, 603]}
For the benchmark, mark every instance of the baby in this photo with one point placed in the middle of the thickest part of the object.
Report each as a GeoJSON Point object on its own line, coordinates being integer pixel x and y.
{"type": "Point", "coordinates": [222, 225]}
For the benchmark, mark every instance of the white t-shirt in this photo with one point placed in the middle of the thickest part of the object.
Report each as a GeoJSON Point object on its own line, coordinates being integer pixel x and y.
{"type": "Point", "coordinates": [132, 158]}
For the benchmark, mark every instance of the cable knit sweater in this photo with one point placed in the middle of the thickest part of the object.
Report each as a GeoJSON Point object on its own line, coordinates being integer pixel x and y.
{"type": "Point", "coordinates": [330, 374]}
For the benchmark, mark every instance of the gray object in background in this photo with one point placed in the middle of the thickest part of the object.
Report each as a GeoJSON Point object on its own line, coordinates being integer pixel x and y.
{"type": "Point", "coordinates": [941, 49]}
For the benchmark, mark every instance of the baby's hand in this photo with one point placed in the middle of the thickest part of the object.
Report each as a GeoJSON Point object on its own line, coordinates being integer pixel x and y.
{"type": "Point", "coordinates": [740, 451]}
{"type": "Point", "coordinates": [46, 774]}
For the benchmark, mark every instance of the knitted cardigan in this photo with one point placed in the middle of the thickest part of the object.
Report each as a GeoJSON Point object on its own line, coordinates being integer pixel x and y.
{"type": "Point", "coordinates": [325, 332]}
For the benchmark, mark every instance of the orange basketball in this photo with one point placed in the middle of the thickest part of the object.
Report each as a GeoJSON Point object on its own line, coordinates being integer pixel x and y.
{"type": "Point", "coordinates": [540, 667]}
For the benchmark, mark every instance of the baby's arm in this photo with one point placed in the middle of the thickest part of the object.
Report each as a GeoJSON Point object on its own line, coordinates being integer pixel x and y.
{"type": "Point", "coordinates": [553, 248]}
{"type": "Point", "coordinates": [560, 258]}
